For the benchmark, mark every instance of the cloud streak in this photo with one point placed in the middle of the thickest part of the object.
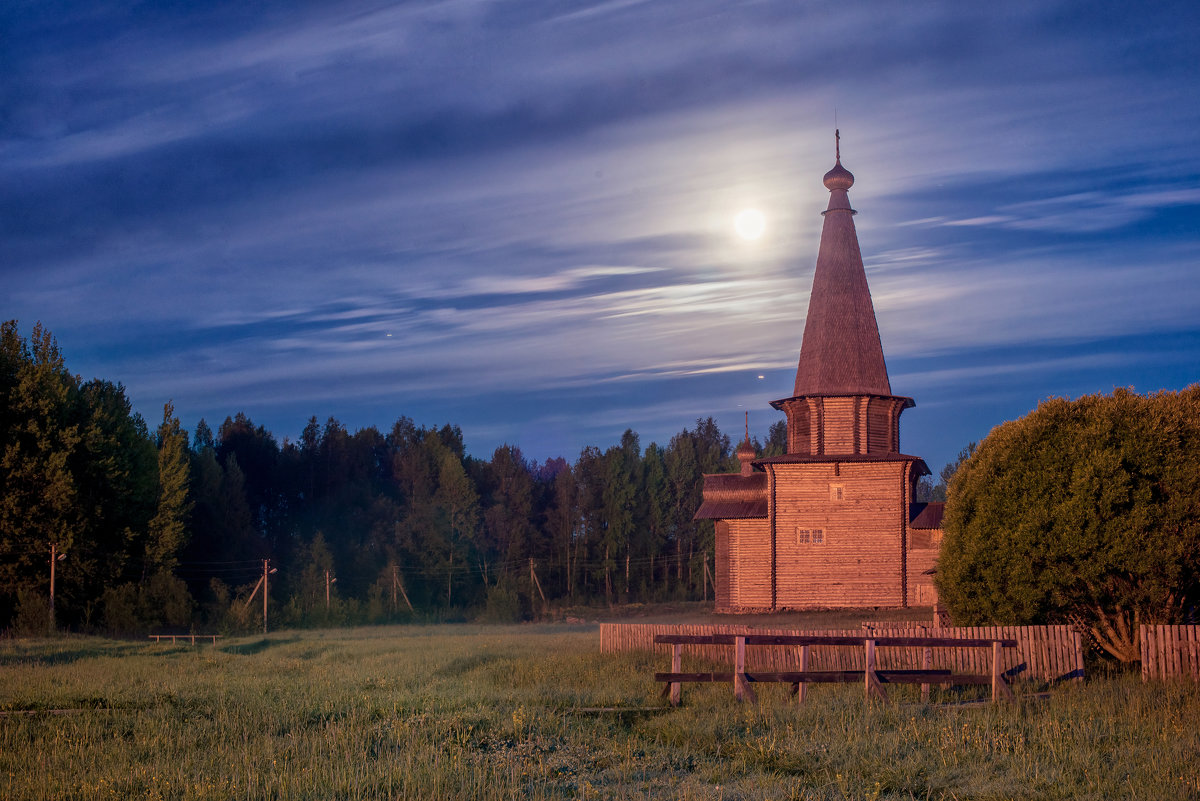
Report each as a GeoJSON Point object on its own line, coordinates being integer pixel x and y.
{"type": "Point", "coordinates": [495, 210]}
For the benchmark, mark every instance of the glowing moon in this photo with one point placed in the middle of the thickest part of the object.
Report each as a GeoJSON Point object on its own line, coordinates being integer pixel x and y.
{"type": "Point", "coordinates": [750, 224]}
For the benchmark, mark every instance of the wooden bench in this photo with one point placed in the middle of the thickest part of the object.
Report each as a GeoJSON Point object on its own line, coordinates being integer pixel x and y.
{"type": "Point", "coordinates": [872, 677]}
{"type": "Point", "coordinates": [190, 637]}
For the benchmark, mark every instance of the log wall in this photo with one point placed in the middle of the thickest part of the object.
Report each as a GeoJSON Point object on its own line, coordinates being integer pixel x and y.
{"type": "Point", "coordinates": [881, 427]}
{"type": "Point", "coordinates": [721, 582]}
{"type": "Point", "coordinates": [749, 564]}
{"type": "Point", "coordinates": [858, 561]}
{"type": "Point", "coordinates": [840, 417]}
{"type": "Point", "coordinates": [1043, 653]}
{"type": "Point", "coordinates": [924, 545]}
{"type": "Point", "coordinates": [1170, 652]}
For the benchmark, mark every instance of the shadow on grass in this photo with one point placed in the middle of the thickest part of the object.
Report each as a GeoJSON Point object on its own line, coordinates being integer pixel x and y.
{"type": "Point", "coordinates": [256, 646]}
{"type": "Point", "coordinates": [53, 655]}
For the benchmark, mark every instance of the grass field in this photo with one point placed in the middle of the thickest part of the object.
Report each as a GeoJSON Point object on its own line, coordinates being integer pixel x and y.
{"type": "Point", "coordinates": [490, 712]}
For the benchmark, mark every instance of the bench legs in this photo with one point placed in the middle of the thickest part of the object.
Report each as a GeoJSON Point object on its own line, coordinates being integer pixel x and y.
{"type": "Point", "coordinates": [676, 666]}
{"type": "Point", "coordinates": [871, 679]}
{"type": "Point", "coordinates": [1000, 687]}
{"type": "Point", "coordinates": [742, 690]}
{"type": "Point", "coordinates": [802, 687]}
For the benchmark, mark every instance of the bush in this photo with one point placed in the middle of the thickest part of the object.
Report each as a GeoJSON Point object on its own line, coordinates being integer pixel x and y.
{"type": "Point", "coordinates": [1085, 511]}
{"type": "Point", "coordinates": [503, 605]}
{"type": "Point", "coordinates": [32, 618]}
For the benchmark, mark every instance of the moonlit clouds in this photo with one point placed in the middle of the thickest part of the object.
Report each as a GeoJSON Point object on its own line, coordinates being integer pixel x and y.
{"type": "Point", "coordinates": [518, 217]}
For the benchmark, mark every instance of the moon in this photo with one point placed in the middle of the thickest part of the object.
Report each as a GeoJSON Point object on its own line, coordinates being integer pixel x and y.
{"type": "Point", "coordinates": [750, 224]}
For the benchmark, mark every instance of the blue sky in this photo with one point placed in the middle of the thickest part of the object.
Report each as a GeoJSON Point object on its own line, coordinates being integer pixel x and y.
{"type": "Point", "coordinates": [518, 216]}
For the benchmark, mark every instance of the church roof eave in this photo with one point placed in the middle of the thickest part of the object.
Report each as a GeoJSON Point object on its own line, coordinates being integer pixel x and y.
{"type": "Point", "coordinates": [844, 458]}
{"type": "Point", "coordinates": [908, 402]}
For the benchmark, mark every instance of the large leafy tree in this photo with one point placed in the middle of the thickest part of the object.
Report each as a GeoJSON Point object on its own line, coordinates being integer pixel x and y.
{"type": "Point", "coordinates": [1084, 511]}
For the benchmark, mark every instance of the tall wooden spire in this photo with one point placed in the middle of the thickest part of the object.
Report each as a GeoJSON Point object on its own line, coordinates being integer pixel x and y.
{"type": "Point", "coordinates": [841, 353]}
{"type": "Point", "coordinates": [842, 401]}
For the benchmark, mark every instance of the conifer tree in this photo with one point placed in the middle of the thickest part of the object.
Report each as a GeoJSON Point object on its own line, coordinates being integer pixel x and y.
{"type": "Point", "coordinates": [169, 526]}
{"type": "Point", "coordinates": [38, 488]}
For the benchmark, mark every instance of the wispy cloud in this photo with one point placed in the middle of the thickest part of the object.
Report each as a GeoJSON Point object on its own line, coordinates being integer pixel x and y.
{"type": "Point", "coordinates": [362, 204]}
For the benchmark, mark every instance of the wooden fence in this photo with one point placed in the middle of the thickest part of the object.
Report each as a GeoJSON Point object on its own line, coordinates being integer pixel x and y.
{"type": "Point", "coordinates": [1043, 653]}
{"type": "Point", "coordinates": [1170, 652]}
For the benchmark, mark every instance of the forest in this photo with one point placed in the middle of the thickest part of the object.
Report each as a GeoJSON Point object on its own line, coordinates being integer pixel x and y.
{"type": "Point", "coordinates": [149, 528]}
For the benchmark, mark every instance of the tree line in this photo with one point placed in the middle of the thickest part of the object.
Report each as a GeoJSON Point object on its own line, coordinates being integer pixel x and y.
{"type": "Point", "coordinates": [147, 528]}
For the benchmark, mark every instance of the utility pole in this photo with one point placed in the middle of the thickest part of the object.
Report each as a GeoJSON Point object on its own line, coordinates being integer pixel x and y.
{"type": "Point", "coordinates": [328, 581]}
{"type": "Point", "coordinates": [396, 583]}
{"type": "Point", "coordinates": [533, 579]}
{"type": "Point", "coordinates": [262, 582]}
{"type": "Point", "coordinates": [266, 571]}
{"type": "Point", "coordinates": [55, 558]}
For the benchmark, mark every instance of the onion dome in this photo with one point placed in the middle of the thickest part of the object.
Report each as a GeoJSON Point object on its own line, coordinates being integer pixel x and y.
{"type": "Point", "coordinates": [745, 451]}
{"type": "Point", "coordinates": [839, 177]}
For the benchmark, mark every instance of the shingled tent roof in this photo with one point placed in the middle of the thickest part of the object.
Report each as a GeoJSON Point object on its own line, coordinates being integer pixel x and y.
{"type": "Point", "coordinates": [926, 515]}
{"type": "Point", "coordinates": [841, 353]}
{"type": "Point", "coordinates": [732, 496]}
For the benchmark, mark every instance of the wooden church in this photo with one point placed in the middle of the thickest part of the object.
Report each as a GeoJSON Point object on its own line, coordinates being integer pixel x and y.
{"type": "Point", "coordinates": [833, 522]}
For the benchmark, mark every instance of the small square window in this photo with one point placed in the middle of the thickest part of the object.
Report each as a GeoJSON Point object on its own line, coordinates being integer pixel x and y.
{"type": "Point", "coordinates": [803, 536]}
{"type": "Point", "coordinates": [837, 492]}
{"type": "Point", "coordinates": [818, 536]}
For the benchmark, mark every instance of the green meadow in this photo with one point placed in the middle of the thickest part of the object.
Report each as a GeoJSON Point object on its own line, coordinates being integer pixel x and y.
{"type": "Point", "coordinates": [491, 712]}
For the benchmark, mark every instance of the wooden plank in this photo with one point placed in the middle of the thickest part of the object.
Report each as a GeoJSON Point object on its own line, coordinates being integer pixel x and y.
{"type": "Point", "coordinates": [926, 664]}
{"type": "Point", "coordinates": [871, 680]}
{"type": "Point", "coordinates": [1179, 660]}
{"type": "Point", "coordinates": [1177, 641]}
{"type": "Point", "coordinates": [1149, 656]}
{"type": "Point", "coordinates": [817, 639]}
{"type": "Point", "coordinates": [742, 690]}
{"type": "Point", "coordinates": [1036, 654]}
{"type": "Point", "coordinates": [1194, 648]}
{"type": "Point", "coordinates": [1142, 651]}
{"type": "Point", "coordinates": [1152, 652]}
{"type": "Point", "coordinates": [847, 676]}
{"type": "Point", "coordinates": [676, 666]}
{"type": "Point", "coordinates": [999, 685]}
{"type": "Point", "coordinates": [1160, 651]}
{"type": "Point", "coordinates": [674, 678]}
{"type": "Point", "coordinates": [1179, 636]}
{"type": "Point", "coordinates": [1169, 651]}
{"type": "Point", "coordinates": [802, 686]}
{"type": "Point", "coordinates": [1077, 648]}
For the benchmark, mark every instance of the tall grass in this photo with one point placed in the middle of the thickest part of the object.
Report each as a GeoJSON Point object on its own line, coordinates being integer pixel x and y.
{"type": "Point", "coordinates": [492, 712]}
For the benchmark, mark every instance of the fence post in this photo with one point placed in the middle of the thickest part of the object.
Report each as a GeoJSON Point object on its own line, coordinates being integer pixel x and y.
{"type": "Point", "coordinates": [739, 667]}
{"type": "Point", "coordinates": [802, 686]}
{"type": "Point", "coordinates": [999, 685]}
{"type": "Point", "coordinates": [870, 679]}
{"type": "Point", "coordinates": [676, 667]}
{"type": "Point", "coordinates": [926, 664]}
{"type": "Point", "coordinates": [741, 688]}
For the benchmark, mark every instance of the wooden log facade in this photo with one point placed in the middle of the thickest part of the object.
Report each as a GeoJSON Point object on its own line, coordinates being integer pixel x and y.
{"type": "Point", "coordinates": [833, 522]}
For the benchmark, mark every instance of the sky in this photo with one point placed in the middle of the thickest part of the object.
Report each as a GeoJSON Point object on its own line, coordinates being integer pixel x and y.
{"type": "Point", "coordinates": [518, 217]}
